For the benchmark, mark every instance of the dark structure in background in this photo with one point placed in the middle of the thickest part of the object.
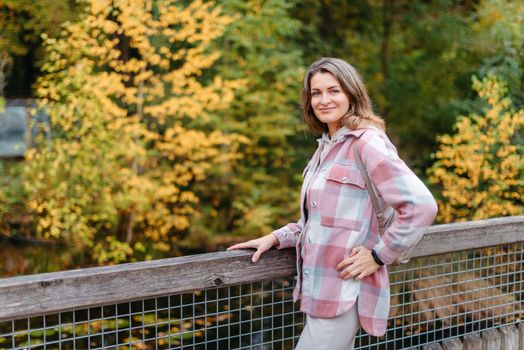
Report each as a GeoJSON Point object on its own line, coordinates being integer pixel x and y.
{"type": "Point", "coordinates": [19, 125]}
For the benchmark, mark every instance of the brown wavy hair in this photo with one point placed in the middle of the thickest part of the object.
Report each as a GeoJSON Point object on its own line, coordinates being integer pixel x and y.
{"type": "Point", "coordinates": [360, 108]}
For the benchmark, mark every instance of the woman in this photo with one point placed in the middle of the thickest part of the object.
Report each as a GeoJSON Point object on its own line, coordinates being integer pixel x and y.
{"type": "Point", "coordinates": [341, 258]}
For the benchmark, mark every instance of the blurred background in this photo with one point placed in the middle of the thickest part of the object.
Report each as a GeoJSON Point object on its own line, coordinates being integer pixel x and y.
{"type": "Point", "coordinates": [133, 130]}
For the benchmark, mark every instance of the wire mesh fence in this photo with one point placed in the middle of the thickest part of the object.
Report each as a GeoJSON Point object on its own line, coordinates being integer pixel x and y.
{"type": "Point", "coordinates": [452, 295]}
{"type": "Point", "coordinates": [433, 298]}
{"type": "Point", "coordinates": [256, 315]}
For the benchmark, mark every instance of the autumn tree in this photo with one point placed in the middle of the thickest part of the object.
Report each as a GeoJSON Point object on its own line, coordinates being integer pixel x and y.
{"type": "Point", "coordinates": [131, 104]}
{"type": "Point", "coordinates": [480, 169]}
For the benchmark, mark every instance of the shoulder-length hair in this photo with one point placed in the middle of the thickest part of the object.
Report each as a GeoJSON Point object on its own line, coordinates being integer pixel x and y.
{"type": "Point", "coordinates": [360, 108]}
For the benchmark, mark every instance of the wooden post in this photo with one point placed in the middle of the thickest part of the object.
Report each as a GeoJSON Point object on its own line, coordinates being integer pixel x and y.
{"type": "Point", "coordinates": [472, 342]}
{"type": "Point", "coordinates": [509, 337]}
{"type": "Point", "coordinates": [521, 336]}
{"type": "Point", "coordinates": [433, 346]}
{"type": "Point", "coordinates": [452, 344]}
{"type": "Point", "coordinates": [491, 340]}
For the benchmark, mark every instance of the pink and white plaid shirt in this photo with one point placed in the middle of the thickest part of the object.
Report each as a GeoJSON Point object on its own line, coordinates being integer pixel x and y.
{"type": "Point", "coordinates": [339, 215]}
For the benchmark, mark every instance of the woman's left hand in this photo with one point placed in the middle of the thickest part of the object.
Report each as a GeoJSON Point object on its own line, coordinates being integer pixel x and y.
{"type": "Point", "coordinates": [358, 265]}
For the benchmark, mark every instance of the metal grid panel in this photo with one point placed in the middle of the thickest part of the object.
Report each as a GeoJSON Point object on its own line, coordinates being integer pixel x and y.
{"type": "Point", "coordinates": [258, 315]}
{"type": "Point", "coordinates": [452, 295]}
{"type": "Point", "coordinates": [433, 298]}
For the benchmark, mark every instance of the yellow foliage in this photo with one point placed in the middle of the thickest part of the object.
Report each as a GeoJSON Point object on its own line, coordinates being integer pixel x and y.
{"type": "Point", "coordinates": [131, 112]}
{"type": "Point", "coordinates": [481, 168]}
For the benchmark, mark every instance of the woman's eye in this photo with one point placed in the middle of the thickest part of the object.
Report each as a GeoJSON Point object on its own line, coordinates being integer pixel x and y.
{"type": "Point", "coordinates": [315, 93]}
{"type": "Point", "coordinates": [335, 91]}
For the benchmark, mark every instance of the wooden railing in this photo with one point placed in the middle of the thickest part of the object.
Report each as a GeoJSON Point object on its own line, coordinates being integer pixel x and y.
{"type": "Point", "coordinates": [54, 293]}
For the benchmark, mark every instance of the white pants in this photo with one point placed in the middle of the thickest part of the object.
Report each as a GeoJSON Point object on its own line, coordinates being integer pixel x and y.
{"type": "Point", "coordinates": [330, 333]}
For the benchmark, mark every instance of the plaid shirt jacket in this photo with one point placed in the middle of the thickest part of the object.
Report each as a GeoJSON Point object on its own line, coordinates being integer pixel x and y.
{"type": "Point", "coordinates": [338, 216]}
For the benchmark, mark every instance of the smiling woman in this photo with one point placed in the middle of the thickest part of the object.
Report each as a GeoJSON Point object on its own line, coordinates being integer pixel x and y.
{"type": "Point", "coordinates": [337, 73]}
{"type": "Point", "coordinates": [341, 257]}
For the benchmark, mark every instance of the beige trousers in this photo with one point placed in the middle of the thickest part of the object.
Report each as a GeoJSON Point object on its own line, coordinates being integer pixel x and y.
{"type": "Point", "coordinates": [330, 333]}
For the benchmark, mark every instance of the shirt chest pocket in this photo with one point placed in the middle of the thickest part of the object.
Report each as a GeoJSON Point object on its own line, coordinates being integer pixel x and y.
{"type": "Point", "coordinates": [343, 197]}
{"type": "Point", "coordinates": [339, 175]}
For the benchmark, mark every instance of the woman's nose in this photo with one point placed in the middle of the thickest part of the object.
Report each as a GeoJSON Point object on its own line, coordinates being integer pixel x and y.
{"type": "Point", "coordinates": [324, 99]}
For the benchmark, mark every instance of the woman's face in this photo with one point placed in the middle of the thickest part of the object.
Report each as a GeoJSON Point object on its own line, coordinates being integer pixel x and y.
{"type": "Point", "coordinates": [328, 100]}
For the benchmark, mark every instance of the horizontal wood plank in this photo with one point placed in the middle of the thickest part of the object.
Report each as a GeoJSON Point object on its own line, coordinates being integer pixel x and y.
{"type": "Point", "coordinates": [26, 296]}
{"type": "Point", "coordinates": [448, 238]}
{"type": "Point", "coordinates": [53, 292]}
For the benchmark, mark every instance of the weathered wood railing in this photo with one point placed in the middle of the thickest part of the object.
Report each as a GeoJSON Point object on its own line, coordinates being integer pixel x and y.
{"type": "Point", "coordinates": [446, 253]}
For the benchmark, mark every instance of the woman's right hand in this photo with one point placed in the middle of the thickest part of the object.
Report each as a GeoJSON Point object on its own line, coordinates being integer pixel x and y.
{"type": "Point", "coordinates": [261, 244]}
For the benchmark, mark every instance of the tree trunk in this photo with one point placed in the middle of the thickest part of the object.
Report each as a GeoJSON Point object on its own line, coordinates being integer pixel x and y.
{"type": "Point", "coordinates": [134, 163]}
{"type": "Point", "coordinates": [387, 16]}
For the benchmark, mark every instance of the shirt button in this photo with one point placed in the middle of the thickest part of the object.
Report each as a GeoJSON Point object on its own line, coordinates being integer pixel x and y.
{"type": "Point", "coordinates": [344, 179]}
{"type": "Point", "coordinates": [314, 204]}
{"type": "Point", "coordinates": [322, 170]}
{"type": "Point", "coordinates": [306, 275]}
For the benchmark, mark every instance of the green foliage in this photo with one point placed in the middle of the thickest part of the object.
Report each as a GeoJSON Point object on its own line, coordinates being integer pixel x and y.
{"type": "Point", "coordinates": [261, 189]}
{"type": "Point", "coordinates": [417, 58]}
{"type": "Point", "coordinates": [22, 23]}
{"type": "Point", "coordinates": [12, 198]}
{"type": "Point", "coordinates": [498, 39]}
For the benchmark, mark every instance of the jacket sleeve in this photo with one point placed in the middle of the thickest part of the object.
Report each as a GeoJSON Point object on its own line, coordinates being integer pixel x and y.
{"type": "Point", "coordinates": [401, 189]}
{"type": "Point", "coordinates": [288, 235]}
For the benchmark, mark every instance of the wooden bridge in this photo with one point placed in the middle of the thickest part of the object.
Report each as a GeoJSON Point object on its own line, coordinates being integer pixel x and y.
{"type": "Point", "coordinates": [464, 287]}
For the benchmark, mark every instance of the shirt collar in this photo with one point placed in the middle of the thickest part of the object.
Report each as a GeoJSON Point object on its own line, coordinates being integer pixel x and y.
{"type": "Point", "coordinates": [342, 133]}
